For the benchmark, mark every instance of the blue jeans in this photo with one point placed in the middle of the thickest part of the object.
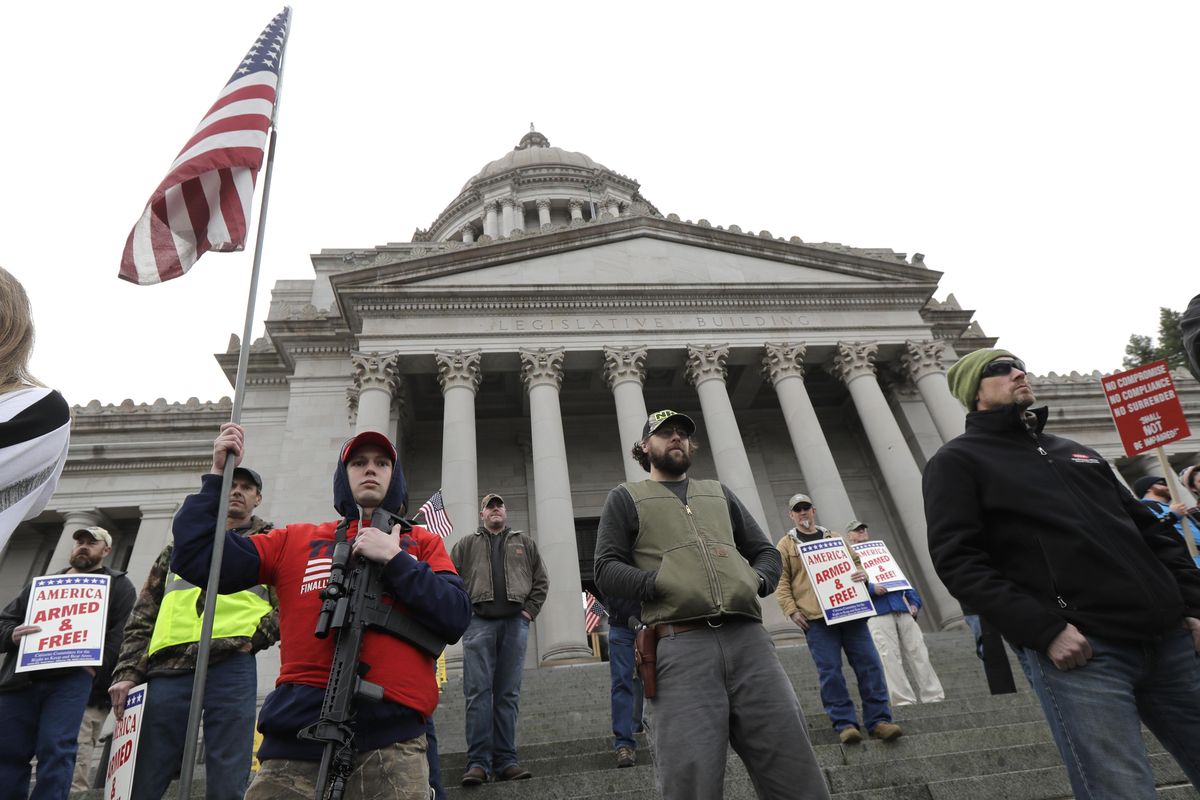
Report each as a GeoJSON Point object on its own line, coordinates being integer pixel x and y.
{"type": "Point", "coordinates": [42, 720]}
{"type": "Point", "coordinates": [626, 689]}
{"type": "Point", "coordinates": [1095, 713]}
{"type": "Point", "coordinates": [493, 660]}
{"type": "Point", "coordinates": [229, 708]}
{"type": "Point", "coordinates": [826, 643]}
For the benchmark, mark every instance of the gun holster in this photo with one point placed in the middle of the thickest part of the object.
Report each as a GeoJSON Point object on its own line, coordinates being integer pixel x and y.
{"type": "Point", "coordinates": [645, 650]}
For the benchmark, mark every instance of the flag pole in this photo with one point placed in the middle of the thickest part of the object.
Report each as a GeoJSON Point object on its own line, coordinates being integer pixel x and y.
{"type": "Point", "coordinates": [200, 678]}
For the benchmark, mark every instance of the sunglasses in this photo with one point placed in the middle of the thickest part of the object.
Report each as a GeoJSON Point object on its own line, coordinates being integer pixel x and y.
{"type": "Point", "coordinates": [801, 507]}
{"type": "Point", "coordinates": [1002, 368]}
{"type": "Point", "coordinates": [667, 431]}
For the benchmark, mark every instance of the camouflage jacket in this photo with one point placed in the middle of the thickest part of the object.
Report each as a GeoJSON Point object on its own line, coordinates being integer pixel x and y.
{"type": "Point", "coordinates": [135, 664]}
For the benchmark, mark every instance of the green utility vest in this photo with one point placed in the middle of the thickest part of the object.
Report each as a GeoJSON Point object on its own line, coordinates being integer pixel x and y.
{"type": "Point", "coordinates": [700, 571]}
{"type": "Point", "coordinates": [179, 620]}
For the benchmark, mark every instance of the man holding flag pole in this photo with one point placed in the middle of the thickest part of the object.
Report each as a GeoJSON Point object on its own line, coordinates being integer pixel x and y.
{"type": "Point", "coordinates": [204, 204]}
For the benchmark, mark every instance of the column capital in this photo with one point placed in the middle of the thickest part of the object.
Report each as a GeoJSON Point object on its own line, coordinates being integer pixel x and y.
{"type": "Point", "coordinates": [923, 358]}
{"type": "Point", "coordinates": [624, 364]}
{"type": "Point", "coordinates": [458, 368]}
{"type": "Point", "coordinates": [508, 201]}
{"type": "Point", "coordinates": [490, 206]}
{"type": "Point", "coordinates": [542, 366]}
{"type": "Point", "coordinates": [575, 204]}
{"type": "Point", "coordinates": [854, 360]}
{"type": "Point", "coordinates": [706, 363]}
{"type": "Point", "coordinates": [376, 371]}
{"type": "Point", "coordinates": [543, 202]}
{"type": "Point", "coordinates": [783, 360]}
{"type": "Point", "coordinates": [158, 510]}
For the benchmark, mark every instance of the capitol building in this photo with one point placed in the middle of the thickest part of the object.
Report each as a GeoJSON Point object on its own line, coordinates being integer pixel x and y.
{"type": "Point", "coordinates": [515, 346]}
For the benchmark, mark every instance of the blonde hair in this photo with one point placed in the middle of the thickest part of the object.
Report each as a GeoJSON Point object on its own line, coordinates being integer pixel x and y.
{"type": "Point", "coordinates": [16, 334]}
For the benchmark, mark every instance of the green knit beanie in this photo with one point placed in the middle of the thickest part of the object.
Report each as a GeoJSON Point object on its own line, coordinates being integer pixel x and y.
{"type": "Point", "coordinates": [964, 378]}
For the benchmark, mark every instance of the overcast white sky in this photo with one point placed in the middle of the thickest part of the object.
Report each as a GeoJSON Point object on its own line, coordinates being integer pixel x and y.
{"type": "Point", "coordinates": [1042, 155]}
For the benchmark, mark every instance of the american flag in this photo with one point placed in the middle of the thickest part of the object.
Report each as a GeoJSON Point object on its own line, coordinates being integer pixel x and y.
{"type": "Point", "coordinates": [204, 202]}
{"type": "Point", "coordinates": [593, 613]}
{"type": "Point", "coordinates": [436, 518]}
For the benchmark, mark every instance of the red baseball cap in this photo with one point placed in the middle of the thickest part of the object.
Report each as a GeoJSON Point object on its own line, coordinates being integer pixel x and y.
{"type": "Point", "coordinates": [369, 437]}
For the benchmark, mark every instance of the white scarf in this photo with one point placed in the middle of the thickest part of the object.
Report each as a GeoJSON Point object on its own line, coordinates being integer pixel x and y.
{"type": "Point", "coordinates": [32, 459]}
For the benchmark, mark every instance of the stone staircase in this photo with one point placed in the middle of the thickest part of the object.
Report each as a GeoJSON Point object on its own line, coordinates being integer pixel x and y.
{"type": "Point", "coordinates": [972, 745]}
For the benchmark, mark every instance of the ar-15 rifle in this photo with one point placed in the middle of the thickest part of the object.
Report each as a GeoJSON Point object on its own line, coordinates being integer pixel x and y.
{"type": "Point", "coordinates": [353, 602]}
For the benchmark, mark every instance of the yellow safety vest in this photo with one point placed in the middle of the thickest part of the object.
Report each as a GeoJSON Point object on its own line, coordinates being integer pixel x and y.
{"type": "Point", "coordinates": [179, 621]}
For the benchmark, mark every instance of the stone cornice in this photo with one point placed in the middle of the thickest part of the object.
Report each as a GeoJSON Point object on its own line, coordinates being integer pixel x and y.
{"type": "Point", "coordinates": [714, 298]}
{"type": "Point", "coordinates": [110, 465]}
{"type": "Point", "coordinates": [471, 257]}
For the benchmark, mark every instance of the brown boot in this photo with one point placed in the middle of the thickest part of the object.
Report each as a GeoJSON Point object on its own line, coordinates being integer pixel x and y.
{"type": "Point", "coordinates": [850, 735]}
{"type": "Point", "coordinates": [887, 731]}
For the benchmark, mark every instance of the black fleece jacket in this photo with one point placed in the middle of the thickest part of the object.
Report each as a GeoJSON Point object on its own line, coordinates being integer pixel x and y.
{"type": "Point", "coordinates": [1034, 531]}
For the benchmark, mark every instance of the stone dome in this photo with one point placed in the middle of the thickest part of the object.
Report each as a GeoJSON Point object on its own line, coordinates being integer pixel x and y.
{"type": "Point", "coordinates": [534, 150]}
{"type": "Point", "coordinates": [533, 188]}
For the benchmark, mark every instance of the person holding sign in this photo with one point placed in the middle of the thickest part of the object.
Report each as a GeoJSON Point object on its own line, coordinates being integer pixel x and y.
{"type": "Point", "coordinates": [897, 636]}
{"type": "Point", "coordinates": [1153, 491]}
{"type": "Point", "coordinates": [1036, 534]}
{"type": "Point", "coordinates": [42, 710]}
{"type": "Point", "coordinates": [827, 640]}
{"type": "Point", "coordinates": [691, 554]}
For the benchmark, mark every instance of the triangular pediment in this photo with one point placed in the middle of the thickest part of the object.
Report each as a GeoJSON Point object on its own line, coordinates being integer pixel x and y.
{"type": "Point", "coordinates": [640, 261]}
{"type": "Point", "coordinates": [634, 253]}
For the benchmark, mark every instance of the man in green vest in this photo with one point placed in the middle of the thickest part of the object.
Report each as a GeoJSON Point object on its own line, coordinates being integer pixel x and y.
{"type": "Point", "coordinates": [696, 560]}
{"type": "Point", "coordinates": [160, 646]}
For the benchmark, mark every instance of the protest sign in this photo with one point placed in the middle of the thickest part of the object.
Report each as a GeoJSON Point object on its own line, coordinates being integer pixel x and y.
{"type": "Point", "coordinates": [881, 568]}
{"type": "Point", "coordinates": [829, 568]}
{"type": "Point", "coordinates": [71, 610]}
{"type": "Point", "coordinates": [118, 781]}
{"type": "Point", "coordinates": [1145, 407]}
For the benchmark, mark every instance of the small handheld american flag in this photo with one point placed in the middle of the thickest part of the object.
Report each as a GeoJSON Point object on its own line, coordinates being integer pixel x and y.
{"type": "Point", "coordinates": [593, 613]}
{"type": "Point", "coordinates": [436, 518]}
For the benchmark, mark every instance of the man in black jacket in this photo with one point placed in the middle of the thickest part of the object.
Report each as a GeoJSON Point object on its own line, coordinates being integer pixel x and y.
{"type": "Point", "coordinates": [43, 709]}
{"type": "Point", "coordinates": [1035, 533]}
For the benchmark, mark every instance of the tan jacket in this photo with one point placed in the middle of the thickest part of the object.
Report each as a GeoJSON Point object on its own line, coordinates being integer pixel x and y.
{"type": "Point", "coordinates": [795, 591]}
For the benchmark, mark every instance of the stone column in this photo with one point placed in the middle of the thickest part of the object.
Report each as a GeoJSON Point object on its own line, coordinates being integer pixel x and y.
{"type": "Point", "coordinates": [459, 377]}
{"type": "Point", "coordinates": [543, 207]}
{"type": "Point", "coordinates": [378, 382]}
{"type": "Point", "coordinates": [783, 367]}
{"type": "Point", "coordinates": [625, 371]}
{"type": "Point", "coordinates": [468, 234]}
{"type": "Point", "coordinates": [576, 208]}
{"type": "Point", "coordinates": [153, 534]}
{"type": "Point", "coordinates": [518, 215]}
{"type": "Point", "coordinates": [706, 371]}
{"type": "Point", "coordinates": [613, 206]}
{"type": "Point", "coordinates": [924, 363]}
{"type": "Point", "coordinates": [560, 625]}
{"type": "Point", "coordinates": [854, 364]}
{"type": "Point", "coordinates": [490, 226]}
{"type": "Point", "coordinates": [506, 216]}
{"type": "Point", "coordinates": [73, 520]}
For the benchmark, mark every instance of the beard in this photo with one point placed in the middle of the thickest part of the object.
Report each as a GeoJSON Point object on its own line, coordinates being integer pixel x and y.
{"type": "Point", "coordinates": [671, 462]}
{"type": "Point", "coordinates": [84, 562]}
